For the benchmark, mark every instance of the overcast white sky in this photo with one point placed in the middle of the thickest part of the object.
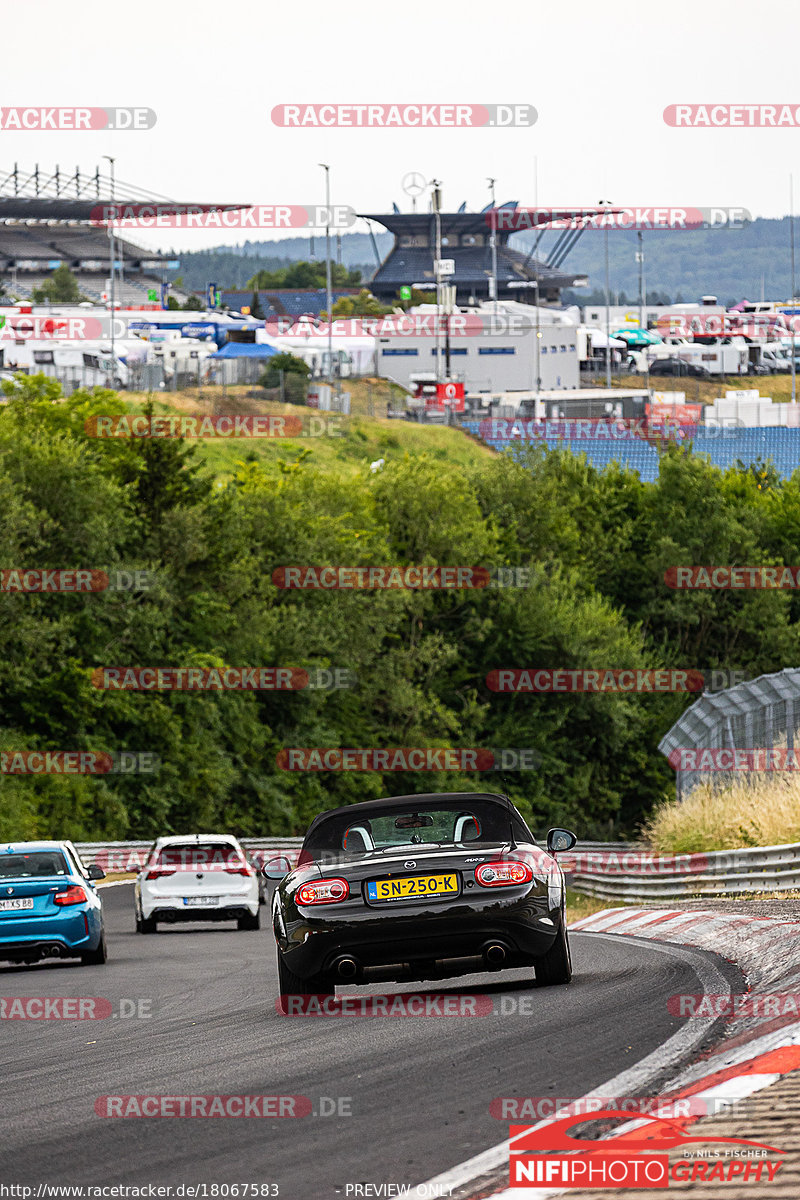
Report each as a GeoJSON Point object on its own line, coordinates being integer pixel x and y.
{"type": "Point", "coordinates": [600, 76]}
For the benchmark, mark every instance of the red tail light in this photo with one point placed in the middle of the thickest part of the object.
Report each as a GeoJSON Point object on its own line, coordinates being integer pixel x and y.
{"type": "Point", "coordinates": [73, 895]}
{"type": "Point", "coordinates": [503, 873]}
{"type": "Point", "coordinates": [158, 872]}
{"type": "Point", "coordinates": [238, 869]}
{"type": "Point", "coordinates": [323, 891]}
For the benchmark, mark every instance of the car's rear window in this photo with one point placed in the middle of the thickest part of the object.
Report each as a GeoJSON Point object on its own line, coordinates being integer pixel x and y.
{"type": "Point", "coordinates": [38, 863]}
{"type": "Point", "coordinates": [201, 856]}
{"type": "Point", "coordinates": [446, 822]}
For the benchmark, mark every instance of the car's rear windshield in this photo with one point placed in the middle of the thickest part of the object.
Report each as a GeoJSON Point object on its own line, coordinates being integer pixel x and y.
{"type": "Point", "coordinates": [199, 856]}
{"type": "Point", "coordinates": [36, 864]}
{"type": "Point", "coordinates": [443, 822]}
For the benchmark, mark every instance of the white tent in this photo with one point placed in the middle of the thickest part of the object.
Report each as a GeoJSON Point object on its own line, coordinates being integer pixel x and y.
{"type": "Point", "coordinates": [600, 340]}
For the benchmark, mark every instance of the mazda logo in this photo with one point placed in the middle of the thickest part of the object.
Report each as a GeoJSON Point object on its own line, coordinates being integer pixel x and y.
{"type": "Point", "coordinates": [410, 863]}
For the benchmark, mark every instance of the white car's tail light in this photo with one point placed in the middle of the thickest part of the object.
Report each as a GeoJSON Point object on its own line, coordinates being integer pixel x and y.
{"type": "Point", "coordinates": [503, 873]}
{"type": "Point", "coordinates": [237, 868]}
{"type": "Point", "coordinates": [159, 872]}
{"type": "Point", "coordinates": [323, 891]}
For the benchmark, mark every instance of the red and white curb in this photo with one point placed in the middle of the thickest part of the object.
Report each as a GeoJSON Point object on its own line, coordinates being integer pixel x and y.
{"type": "Point", "coordinates": [754, 1053]}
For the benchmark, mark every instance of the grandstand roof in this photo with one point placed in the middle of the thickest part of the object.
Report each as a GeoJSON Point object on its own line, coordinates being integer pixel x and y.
{"type": "Point", "coordinates": [409, 264]}
{"type": "Point", "coordinates": [458, 222]}
{"type": "Point", "coordinates": [288, 302]}
{"type": "Point", "coordinates": [49, 208]}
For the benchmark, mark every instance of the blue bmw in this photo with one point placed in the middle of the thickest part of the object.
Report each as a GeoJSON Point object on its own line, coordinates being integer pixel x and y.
{"type": "Point", "coordinates": [49, 906]}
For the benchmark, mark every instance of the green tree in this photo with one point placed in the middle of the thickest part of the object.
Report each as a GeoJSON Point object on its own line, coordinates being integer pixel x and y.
{"type": "Point", "coordinates": [60, 288]}
{"type": "Point", "coordinates": [362, 305]}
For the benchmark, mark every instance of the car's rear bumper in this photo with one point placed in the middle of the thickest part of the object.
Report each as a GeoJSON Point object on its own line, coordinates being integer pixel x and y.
{"type": "Point", "coordinates": [225, 907]}
{"type": "Point", "coordinates": [228, 912]}
{"type": "Point", "coordinates": [66, 935]}
{"type": "Point", "coordinates": [428, 948]}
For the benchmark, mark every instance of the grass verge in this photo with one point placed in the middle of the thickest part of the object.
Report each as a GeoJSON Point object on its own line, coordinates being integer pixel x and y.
{"type": "Point", "coordinates": [761, 813]}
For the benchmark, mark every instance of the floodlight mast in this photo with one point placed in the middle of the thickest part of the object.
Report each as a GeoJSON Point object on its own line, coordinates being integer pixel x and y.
{"type": "Point", "coordinates": [112, 249]}
{"type": "Point", "coordinates": [328, 290]}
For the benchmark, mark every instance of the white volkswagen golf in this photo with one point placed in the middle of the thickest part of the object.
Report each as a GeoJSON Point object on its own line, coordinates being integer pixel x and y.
{"type": "Point", "coordinates": [199, 877]}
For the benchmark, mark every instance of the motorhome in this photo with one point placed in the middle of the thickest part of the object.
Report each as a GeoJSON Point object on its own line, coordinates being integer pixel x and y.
{"type": "Point", "coordinates": [718, 358]}
{"type": "Point", "coordinates": [79, 364]}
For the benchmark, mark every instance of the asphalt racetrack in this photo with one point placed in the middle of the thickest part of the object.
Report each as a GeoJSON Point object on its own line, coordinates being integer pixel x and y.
{"type": "Point", "coordinates": [408, 1097]}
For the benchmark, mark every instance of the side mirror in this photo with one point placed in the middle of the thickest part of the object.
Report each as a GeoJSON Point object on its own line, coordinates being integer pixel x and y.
{"type": "Point", "coordinates": [560, 839]}
{"type": "Point", "coordinates": [94, 872]}
{"type": "Point", "coordinates": [276, 868]}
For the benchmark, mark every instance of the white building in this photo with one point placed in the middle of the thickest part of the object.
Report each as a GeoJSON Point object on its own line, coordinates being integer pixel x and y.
{"type": "Point", "coordinates": [506, 348]}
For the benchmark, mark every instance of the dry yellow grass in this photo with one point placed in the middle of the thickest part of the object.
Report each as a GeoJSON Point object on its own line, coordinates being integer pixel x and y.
{"type": "Point", "coordinates": [761, 811]}
{"type": "Point", "coordinates": [580, 906]}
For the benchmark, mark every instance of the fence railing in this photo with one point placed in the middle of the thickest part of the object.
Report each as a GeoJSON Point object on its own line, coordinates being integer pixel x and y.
{"type": "Point", "coordinates": [610, 870]}
{"type": "Point", "coordinates": [637, 875]}
{"type": "Point", "coordinates": [125, 857]}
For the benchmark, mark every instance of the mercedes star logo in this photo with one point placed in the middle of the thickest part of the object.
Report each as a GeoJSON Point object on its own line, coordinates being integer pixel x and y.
{"type": "Point", "coordinates": [410, 863]}
{"type": "Point", "coordinates": [414, 184]}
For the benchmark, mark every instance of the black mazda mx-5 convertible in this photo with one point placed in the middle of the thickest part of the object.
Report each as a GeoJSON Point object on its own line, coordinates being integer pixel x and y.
{"type": "Point", "coordinates": [420, 887]}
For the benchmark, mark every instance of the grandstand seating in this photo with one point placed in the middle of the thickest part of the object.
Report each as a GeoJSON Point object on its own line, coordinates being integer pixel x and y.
{"type": "Point", "coordinates": [724, 447]}
{"type": "Point", "coordinates": [21, 242]}
{"type": "Point", "coordinates": [43, 244]}
{"type": "Point", "coordinates": [127, 293]}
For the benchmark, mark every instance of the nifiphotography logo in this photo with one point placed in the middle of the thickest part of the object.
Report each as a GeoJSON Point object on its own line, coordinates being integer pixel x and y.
{"type": "Point", "coordinates": [547, 1155]}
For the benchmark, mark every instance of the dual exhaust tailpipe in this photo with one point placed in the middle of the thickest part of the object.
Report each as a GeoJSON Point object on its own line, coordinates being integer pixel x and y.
{"type": "Point", "coordinates": [494, 955]}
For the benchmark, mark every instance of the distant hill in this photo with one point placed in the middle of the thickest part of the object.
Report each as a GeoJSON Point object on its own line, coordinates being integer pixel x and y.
{"type": "Point", "coordinates": [232, 266]}
{"type": "Point", "coordinates": [730, 264]}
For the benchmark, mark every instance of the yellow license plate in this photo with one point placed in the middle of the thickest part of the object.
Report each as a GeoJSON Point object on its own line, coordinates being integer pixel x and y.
{"type": "Point", "coordinates": [413, 887]}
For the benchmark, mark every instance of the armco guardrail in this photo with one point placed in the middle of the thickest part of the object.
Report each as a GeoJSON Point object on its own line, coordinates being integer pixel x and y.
{"type": "Point", "coordinates": [634, 874]}
{"type": "Point", "coordinates": [611, 870]}
{"type": "Point", "coordinates": [124, 857]}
